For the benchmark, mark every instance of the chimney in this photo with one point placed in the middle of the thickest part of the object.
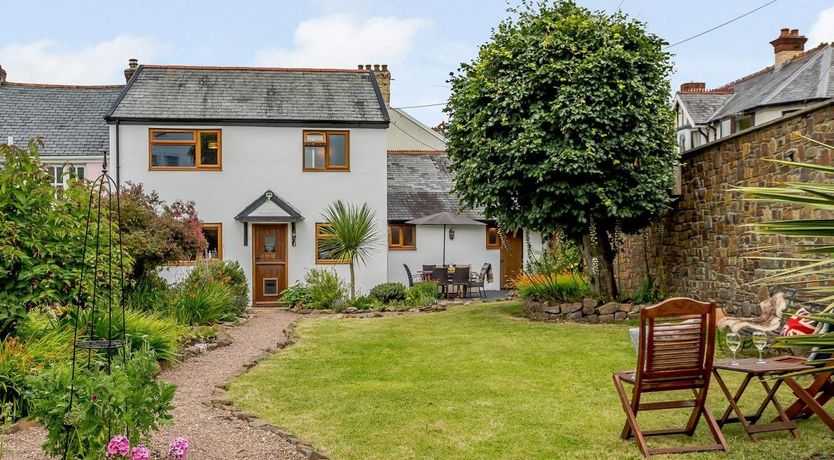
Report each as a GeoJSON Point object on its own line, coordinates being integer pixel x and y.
{"type": "Point", "coordinates": [2, 75]}
{"type": "Point", "coordinates": [132, 64]}
{"type": "Point", "coordinates": [383, 79]}
{"type": "Point", "coordinates": [789, 45]}
{"type": "Point", "coordinates": [694, 87]}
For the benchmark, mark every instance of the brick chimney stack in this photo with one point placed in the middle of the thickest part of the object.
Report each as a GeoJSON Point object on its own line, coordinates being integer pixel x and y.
{"type": "Point", "coordinates": [383, 79]}
{"type": "Point", "coordinates": [789, 45]}
{"type": "Point", "coordinates": [693, 87]}
{"type": "Point", "coordinates": [2, 75]}
{"type": "Point", "coordinates": [132, 64]}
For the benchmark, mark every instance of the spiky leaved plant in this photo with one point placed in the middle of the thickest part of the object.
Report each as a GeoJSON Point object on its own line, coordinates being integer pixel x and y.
{"type": "Point", "coordinates": [350, 235]}
{"type": "Point", "coordinates": [814, 261]}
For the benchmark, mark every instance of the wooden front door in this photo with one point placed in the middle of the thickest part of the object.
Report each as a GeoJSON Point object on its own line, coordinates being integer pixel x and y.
{"type": "Point", "coordinates": [269, 263]}
{"type": "Point", "coordinates": [511, 258]}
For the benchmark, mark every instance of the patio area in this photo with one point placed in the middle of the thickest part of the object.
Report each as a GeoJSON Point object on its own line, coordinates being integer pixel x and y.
{"type": "Point", "coordinates": [476, 382]}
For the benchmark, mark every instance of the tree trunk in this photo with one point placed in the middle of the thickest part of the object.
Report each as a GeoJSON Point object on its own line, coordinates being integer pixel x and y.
{"type": "Point", "coordinates": [599, 260]}
{"type": "Point", "coordinates": [352, 283]}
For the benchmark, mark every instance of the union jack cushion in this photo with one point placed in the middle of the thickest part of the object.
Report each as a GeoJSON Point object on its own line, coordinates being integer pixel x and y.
{"type": "Point", "coordinates": [800, 324]}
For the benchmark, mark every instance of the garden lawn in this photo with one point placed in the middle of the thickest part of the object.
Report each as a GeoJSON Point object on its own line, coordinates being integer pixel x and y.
{"type": "Point", "coordinates": [473, 382]}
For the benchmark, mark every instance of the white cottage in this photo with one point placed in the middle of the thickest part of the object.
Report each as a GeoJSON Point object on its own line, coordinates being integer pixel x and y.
{"type": "Point", "coordinates": [262, 152]}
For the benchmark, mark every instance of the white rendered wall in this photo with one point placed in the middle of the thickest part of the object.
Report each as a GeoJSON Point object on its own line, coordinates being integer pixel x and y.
{"type": "Point", "coordinates": [468, 248]}
{"type": "Point", "coordinates": [256, 159]}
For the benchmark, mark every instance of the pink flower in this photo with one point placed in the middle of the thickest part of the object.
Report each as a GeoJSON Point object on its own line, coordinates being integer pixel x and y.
{"type": "Point", "coordinates": [118, 445]}
{"type": "Point", "coordinates": [140, 452]}
{"type": "Point", "coordinates": [178, 449]}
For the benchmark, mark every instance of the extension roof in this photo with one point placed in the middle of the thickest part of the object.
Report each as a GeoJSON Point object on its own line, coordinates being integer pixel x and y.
{"type": "Point", "coordinates": [806, 78]}
{"type": "Point", "coordinates": [68, 118]}
{"type": "Point", "coordinates": [420, 184]}
{"type": "Point", "coordinates": [251, 96]}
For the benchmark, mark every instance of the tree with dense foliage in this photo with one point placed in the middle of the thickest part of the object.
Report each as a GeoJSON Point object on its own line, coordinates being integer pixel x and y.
{"type": "Point", "coordinates": [350, 235]}
{"type": "Point", "coordinates": [42, 239]}
{"type": "Point", "coordinates": [157, 233]}
{"type": "Point", "coordinates": [563, 123]}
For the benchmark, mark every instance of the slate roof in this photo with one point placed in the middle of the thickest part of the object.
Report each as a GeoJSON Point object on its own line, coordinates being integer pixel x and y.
{"type": "Point", "coordinates": [70, 119]}
{"type": "Point", "coordinates": [807, 78]}
{"type": "Point", "coordinates": [701, 106]}
{"type": "Point", "coordinates": [419, 185]}
{"type": "Point", "coordinates": [251, 95]}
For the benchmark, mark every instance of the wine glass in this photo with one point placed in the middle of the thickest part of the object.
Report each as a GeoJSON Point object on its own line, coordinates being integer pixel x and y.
{"type": "Point", "coordinates": [734, 342]}
{"type": "Point", "coordinates": [760, 341]}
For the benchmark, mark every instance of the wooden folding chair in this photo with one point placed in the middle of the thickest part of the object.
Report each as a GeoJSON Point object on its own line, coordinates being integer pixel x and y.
{"type": "Point", "coordinates": [676, 347]}
{"type": "Point", "coordinates": [813, 399]}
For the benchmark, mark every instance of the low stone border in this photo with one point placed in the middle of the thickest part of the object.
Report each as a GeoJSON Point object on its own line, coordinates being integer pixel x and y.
{"type": "Point", "coordinates": [442, 305]}
{"type": "Point", "coordinates": [220, 400]}
{"type": "Point", "coordinates": [589, 310]}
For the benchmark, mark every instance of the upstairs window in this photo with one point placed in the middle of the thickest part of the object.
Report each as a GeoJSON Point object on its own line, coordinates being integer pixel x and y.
{"type": "Point", "coordinates": [326, 151]}
{"type": "Point", "coordinates": [402, 236]}
{"type": "Point", "coordinates": [743, 122]}
{"type": "Point", "coordinates": [493, 240]}
{"type": "Point", "coordinates": [60, 176]}
{"type": "Point", "coordinates": [185, 149]}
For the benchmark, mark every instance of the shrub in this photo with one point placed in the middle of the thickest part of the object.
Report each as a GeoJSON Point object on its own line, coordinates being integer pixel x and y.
{"type": "Point", "coordinates": [151, 293]}
{"type": "Point", "coordinates": [128, 400]}
{"type": "Point", "coordinates": [421, 294]}
{"type": "Point", "coordinates": [42, 238]}
{"type": "Point", "coordinates": [228, 273]}
{"type": "Point", "coordinates": [296, 295]}
{"type": "Point", "coordinates": [564, 287]}
{"type": "Point", "coordinates": [202, 303]}
{"type": "Point", "coordinates": [388, 292]}
{"type": "Point", "coordinates": [363, 303]}
{"type": "Point", "coordinates": [156, 233]}
{"type": "Point", "coordinates": [326, 289]}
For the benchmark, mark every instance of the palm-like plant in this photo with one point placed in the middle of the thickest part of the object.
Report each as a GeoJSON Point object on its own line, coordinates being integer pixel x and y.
{"type": "Point", "coordinates": [350, 235]}
{"type": "Point", "coordinates": [814, 265]}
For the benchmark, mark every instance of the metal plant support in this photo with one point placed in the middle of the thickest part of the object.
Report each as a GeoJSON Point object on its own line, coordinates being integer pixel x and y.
{"type": "Point", "coordinates": [102, 299]}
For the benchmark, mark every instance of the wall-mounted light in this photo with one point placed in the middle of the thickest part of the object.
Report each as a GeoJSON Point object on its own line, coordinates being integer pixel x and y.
{"type": "Point", "coordinates": [292, 225]}
{"type": "Point", "coordinates": [451, 233]}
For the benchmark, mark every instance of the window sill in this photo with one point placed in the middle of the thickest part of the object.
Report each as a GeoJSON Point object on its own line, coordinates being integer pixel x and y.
{"type": "Point", "coordinates": [325, 170]}
{"type": "Point", "coordinates": [177, 168]}
{"type": "Point", "coordinates": [408, 248]}
{"type": "Point", "coordinates": [332, 262]}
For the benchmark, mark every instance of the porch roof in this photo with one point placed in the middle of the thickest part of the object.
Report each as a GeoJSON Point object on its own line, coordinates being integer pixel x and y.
{"type": "Point", "coordinates": [269, 207]}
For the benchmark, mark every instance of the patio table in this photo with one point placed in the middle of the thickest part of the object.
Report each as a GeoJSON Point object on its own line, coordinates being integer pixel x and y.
{"type": "Point", "coordinates": [777, 366]}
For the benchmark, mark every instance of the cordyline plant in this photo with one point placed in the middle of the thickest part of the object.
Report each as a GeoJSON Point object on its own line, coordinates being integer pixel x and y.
{"type": "Point", "coordinates": [815, 264]}
{"type": "Point", "coordinates": [563, 123]}
{"type": "Point", "coordinates": [350, 235]}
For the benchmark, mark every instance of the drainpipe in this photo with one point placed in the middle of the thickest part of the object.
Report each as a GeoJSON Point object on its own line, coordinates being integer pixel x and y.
{"type": "Point", "coordinates": [118, 162]}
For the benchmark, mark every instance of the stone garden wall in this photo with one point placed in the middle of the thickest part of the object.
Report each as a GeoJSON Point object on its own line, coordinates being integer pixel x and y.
{"type": "Point", "coordinates": [589, 310]}
{"type": "Point", "coordinates": [701, 248]}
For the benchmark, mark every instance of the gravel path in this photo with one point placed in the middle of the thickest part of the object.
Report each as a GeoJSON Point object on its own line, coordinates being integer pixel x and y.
{"type": "Point", "coordinates": [213, 433]}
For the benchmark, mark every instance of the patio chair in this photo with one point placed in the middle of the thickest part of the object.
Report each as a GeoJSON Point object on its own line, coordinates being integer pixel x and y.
{"type": "Point", "coordinates": [460, 279]}
{"type": "Point", "coordinates": [410, 277]}
{"type": "Point", "coordinates": [677, 344]}
{"type": "Point", "coordinates": [477, 282]}
{"type": "Point", "coordinates": [821, 388]}
{"type": "Point", "coordinates": [440, 277]}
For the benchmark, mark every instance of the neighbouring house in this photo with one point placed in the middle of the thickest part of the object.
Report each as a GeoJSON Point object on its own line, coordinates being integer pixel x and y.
{"type": "Point", "coordinates": [68, 118]}
{"type": "Point", "coordinates": [796, 80]}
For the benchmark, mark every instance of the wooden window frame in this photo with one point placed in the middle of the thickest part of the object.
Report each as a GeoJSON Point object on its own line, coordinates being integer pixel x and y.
{"type": "Point", "coordinates": [219, 228]}
{"type": "Point", "coordinates": [401, 229]}
{"type": "Point", "coordinates": [325, 261]}
{"type": "Point", "coordinates": [497, 244]}
{"type": "Point", "coordinates": [326, 145]}
{"type": "Point", "coordinates": [198, 166]}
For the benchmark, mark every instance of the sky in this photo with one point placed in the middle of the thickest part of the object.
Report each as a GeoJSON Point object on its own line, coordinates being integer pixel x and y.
{"type": "Point", "coordinates": [89, 42]}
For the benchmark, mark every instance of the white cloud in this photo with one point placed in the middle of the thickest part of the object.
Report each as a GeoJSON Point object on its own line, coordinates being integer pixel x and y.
{"type": "Point", "coordinates": [344, 41]}
{"type": "Point", "coordinates": [823, 28]}
{"type": "Point", "coordinates": [45, 61]}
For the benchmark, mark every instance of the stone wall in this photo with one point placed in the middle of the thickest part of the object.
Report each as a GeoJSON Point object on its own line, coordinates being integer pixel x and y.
{"type": "Point", "coordinates": [703, 248]}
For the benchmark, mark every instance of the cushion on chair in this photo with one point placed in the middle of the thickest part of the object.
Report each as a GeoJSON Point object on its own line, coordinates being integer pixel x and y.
{"type": "Point", "coordinates": [800, 324]}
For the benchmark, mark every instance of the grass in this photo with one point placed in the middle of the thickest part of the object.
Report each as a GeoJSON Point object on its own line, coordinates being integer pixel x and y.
{"type": "Point", "coordinates": [473, 382]}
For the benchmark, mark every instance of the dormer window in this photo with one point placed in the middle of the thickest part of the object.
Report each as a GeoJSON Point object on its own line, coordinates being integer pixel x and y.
{"type": "Point", "coordinates": [326, 151]}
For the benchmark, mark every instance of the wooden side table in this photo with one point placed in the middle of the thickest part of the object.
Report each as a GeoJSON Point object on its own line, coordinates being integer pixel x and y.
{"type": "Point", "coordinates": [772, 366]}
